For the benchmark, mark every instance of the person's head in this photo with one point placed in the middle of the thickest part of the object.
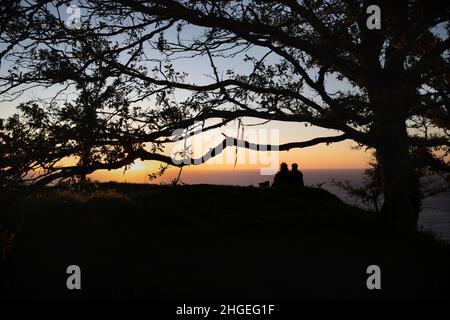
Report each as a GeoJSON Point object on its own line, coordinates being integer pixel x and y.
{"type": "Point", "coordinates": [294, 166]}
{"type": "Point", "coordinates": [284, 167]}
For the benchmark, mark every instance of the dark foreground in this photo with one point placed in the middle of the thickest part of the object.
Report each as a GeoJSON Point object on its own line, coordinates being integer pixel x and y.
{"type": "Point", "coordinates": [212, 242]}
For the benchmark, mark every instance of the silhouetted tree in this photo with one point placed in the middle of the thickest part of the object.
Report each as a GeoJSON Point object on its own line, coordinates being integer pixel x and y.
{"type": "Point", "coordinates": [302, 61]}
{"type": "Point", "coordinates": [369, 192]}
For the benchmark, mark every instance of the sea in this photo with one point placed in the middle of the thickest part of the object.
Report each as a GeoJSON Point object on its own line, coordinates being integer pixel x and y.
{"type": "Point", "coordinates": [434, 216]}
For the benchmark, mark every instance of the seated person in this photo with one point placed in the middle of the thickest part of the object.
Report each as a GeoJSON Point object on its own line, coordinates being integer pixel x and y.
{"type": "Point", "coordinates": [282, 177]}
{"type": "Point", "coordinates": [296, 176]}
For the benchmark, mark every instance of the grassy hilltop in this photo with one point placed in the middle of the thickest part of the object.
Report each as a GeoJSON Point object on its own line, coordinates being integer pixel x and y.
{"type": "Point", "coordinates": [204, 241]}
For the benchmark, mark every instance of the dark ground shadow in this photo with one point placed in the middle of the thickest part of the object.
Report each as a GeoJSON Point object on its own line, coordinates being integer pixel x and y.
{"type": "Point", "coordinates": [213, 242]}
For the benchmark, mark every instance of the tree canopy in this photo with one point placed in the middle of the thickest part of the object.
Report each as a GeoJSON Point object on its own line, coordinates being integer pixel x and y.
{"type": "Point", "coordinates": [299, 61]}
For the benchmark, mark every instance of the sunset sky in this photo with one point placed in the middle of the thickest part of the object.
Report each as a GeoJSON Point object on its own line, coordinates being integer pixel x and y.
{"type": "Point", "coordinates": [198, 69]}
{"type": "Point", "coordinates": [339, 155]}
{"type": "Point", "coordinates": [336, 156]}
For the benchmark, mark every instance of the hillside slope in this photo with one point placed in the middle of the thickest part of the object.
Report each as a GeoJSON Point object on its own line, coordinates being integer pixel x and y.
{"type": "Point", "coordinates": [213, 242]}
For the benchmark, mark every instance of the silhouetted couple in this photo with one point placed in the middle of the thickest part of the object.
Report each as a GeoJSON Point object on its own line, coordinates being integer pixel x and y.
{"type": "Point", "coordinates": [285, 178]}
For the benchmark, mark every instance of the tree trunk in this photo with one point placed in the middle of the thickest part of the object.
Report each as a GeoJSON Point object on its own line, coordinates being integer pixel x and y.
{"type": "Point", "coordinates": [84, 162]}
{"type": "Point", "coordinates": [398, 177]}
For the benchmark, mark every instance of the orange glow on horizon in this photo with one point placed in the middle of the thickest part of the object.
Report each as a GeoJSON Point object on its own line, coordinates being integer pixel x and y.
{"type": "Point", "coordinates": [336, 156]}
